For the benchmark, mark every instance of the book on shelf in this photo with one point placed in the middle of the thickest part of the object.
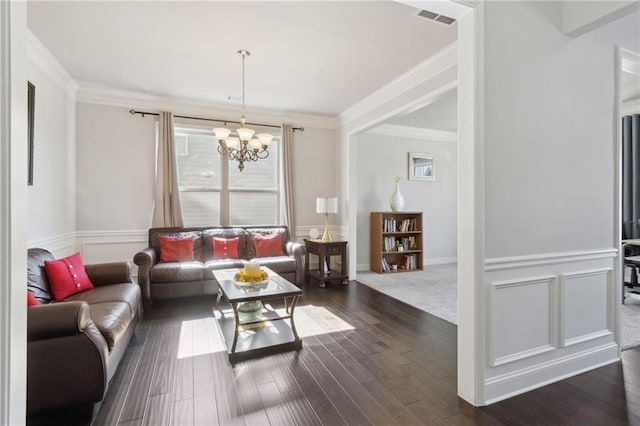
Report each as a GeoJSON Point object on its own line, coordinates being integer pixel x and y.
{"type": "Point", "coordinates": [410, 262]}
{"type": "Point", "coordinates": [404, 225]}
{"type": "Point", "coordinates": [385, 265]}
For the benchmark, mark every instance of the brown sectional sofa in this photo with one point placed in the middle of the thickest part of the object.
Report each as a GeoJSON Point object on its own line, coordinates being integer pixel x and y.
{"type": "Point", "coordinates": [74, 346]}
{"type": "Point", "coordinates": [159, 280]}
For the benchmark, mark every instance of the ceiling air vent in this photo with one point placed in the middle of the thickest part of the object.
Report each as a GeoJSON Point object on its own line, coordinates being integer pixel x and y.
{"type": "Point", "coordinates": [435, 17]}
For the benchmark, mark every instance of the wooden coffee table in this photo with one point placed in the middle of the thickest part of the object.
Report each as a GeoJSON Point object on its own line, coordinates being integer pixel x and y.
{"type": "Point", "coordinates": [252, 328]}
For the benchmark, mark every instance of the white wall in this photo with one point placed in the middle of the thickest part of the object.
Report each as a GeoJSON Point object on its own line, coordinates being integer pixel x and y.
{"type": "Point", "coordinates": [116, 166]}
{"type": "Point", "coordinates": [52, 198]}
{"type": "Point", "coordinates": [549, 205]}
{"type": "Point", "coordinates": [314, 168]}
{"type": "Point", "coordinates": [549, 153]}
{"type": "Point", "coordinates": [381, 159]}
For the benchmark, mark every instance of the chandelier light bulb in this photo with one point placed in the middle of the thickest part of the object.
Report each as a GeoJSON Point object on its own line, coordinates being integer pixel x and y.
{"type": "Point", "coordinates": [221, 133]}
{"type": "Point", "coordinates": [265, 139]}
{"type": "Point", "coordinates": [255, 144]}
{"type": "Point", "coordinates": [245, 134]}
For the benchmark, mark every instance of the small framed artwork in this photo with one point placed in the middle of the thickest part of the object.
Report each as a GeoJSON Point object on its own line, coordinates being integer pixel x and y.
{"type": "Point", "coordinates": [421, 167]}
{"type": "Point", "coordinates": [31, 106]}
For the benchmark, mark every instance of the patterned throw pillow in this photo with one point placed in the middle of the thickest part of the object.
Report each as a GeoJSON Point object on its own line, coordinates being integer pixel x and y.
{"type": "Point", "coordinates": [225, 248]}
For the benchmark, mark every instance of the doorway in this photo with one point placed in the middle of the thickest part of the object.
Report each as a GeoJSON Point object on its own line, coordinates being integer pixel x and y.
{"type": "Point", "coordinates": [384, 153]}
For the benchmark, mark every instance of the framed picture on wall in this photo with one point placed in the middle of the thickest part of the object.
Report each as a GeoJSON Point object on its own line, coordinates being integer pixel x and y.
{"type": "Point", "coordinates": [421, 167]}
{"type": "Point", "coordinates": [31, 106]}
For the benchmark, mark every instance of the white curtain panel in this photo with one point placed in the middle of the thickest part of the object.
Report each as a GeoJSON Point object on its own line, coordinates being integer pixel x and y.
{"type": "Point", "coordinates": [167, 211]}
{"type": "Point", "coordinates": [287, 159]}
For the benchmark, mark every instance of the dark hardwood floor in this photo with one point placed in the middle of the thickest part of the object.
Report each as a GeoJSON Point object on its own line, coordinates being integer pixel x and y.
{"type": "Point", "coordinates": [367, 359]}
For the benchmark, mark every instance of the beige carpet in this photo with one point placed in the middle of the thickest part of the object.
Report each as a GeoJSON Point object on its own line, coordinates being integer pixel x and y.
{"type": "Point", "coordinates": [434, 291]}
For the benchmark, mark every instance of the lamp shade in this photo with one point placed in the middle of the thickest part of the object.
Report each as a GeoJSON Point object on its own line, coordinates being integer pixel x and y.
{"type": "Point", "coordinates": [265, 138]}
{"type": "Point", "coordinates": [327, 205]}
{"type": "Point", "coordinates": [255, 144]}
{"type": "Point", "coordinates": [221, 133]}
{"type": "Point", "coordinates": [245, 134]}
{"type": "Point", "coordinates": [321, 205]}
{"type": "Point", "coordinates": [332, 205]}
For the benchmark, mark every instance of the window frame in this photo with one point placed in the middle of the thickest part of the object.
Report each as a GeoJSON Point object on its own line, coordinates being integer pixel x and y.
{"type": "Point", "coordinates": [225, 168]}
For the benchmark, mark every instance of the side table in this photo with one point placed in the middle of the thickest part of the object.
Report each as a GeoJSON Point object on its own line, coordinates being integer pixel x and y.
{"type": "Point", "coordinates": [325, 251]}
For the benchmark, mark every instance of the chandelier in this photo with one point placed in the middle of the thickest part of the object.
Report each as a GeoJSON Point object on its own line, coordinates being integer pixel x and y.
{"type": "Point", "coordinates": [242, 146]}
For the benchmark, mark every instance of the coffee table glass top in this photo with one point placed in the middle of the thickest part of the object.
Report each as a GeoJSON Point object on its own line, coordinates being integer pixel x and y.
{"type": "Point", "coordinates": [276, 286]}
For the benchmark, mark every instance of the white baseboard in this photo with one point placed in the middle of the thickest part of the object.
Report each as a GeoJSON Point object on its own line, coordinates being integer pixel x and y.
{"type": "Point", "coordinates": [521, 381]}
{"type": "Point", "coordinates": [439, 260]}
{"type": "Point", "coordinates": [365, 267]}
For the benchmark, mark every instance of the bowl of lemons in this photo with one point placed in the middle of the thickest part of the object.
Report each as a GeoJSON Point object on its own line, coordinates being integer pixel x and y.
{"type": "Point", "coordinates": [251, 276]}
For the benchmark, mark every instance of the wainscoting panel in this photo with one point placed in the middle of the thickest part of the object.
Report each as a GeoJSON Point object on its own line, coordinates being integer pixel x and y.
{"type": "Point", "coordinates": [111, 246]}
{"type": "Point", "coordinates": [337, 232]}
{"type": "Point", "coordinates": [549, 316]}
{"type": "Point", "coordinates": [516, 305]}
{"type": "Point", "coordinates": [59, 245]}
{"type": "Point", "coordinates": [580, 293]}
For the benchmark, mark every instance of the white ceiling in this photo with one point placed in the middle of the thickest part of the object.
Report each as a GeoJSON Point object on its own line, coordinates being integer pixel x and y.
{"type": "Point", "coordinates": [311, 57]}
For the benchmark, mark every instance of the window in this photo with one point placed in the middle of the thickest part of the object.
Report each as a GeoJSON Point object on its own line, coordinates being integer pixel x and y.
{"type": "Point", "coordinates": [215, 192]}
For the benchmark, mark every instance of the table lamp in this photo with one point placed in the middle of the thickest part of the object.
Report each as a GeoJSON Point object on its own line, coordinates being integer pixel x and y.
{"type": "Point", "coordinates": [326, 206]}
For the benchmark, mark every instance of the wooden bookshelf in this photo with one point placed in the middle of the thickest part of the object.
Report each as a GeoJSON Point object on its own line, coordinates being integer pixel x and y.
{"type": "Point", "coordinates": [396, 239]}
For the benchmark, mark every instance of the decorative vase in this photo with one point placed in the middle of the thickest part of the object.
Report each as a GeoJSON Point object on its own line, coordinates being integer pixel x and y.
{"type": "Point", "coordinates": [397, 200]}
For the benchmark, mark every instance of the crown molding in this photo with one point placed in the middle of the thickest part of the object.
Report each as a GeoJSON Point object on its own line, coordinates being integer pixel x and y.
{"type": "Point", "coordinates": [41, 56]}
{"type": "Point", "coordinates": [105, 95]}
{"type": "Point", "coordinates": [414, 132]}
{"type": "Point", "coordinates": [444, 59]}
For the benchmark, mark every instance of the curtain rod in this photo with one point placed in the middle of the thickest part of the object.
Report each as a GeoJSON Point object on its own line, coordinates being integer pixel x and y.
{"type": "Point", "coordinates": [143, 113]}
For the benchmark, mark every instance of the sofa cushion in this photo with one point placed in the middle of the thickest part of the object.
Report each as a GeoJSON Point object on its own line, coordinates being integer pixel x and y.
{"type": "Point", "coordinates": [37, 282]}
{"type": "Point", "coordinates": [214, 265]}
{"type": "Point", "coordinates": [177, 271]}
{"type": "Point", "coordinates": [112, 319]}
{"type": "Point", "coordinates": [128, 293]}
{"type": "Point", "coordinates": [67, 276]}
{"type": "Point", "coordinates": [175, 249]}
{"type": "Point", "coordinates": [279, 264]}
{"type": "Point", "coordinates": [267, 244]}
{"type": "Point", "coordinates": [225, 248]}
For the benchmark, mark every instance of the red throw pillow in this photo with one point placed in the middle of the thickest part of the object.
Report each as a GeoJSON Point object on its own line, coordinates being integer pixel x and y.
{"type": "Point", "coordinates": [67, 276]}
{"type": "Point", "coordinates": [267, 244]}
{"type": "Point", "coordinates": [31, 299]}
{"type": "Point", "coordinates": [225, 248]}
{"type": "Point", "coordinates": [175, 249]}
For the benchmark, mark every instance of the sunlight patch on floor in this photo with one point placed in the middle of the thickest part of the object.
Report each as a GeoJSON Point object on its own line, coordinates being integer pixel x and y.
{"type": "Point", "coordinates": [202, 336]}
{"type": "Point", "coordinates": [199, 337]}
{"type": "Point", "coordinates": [315, 320]}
